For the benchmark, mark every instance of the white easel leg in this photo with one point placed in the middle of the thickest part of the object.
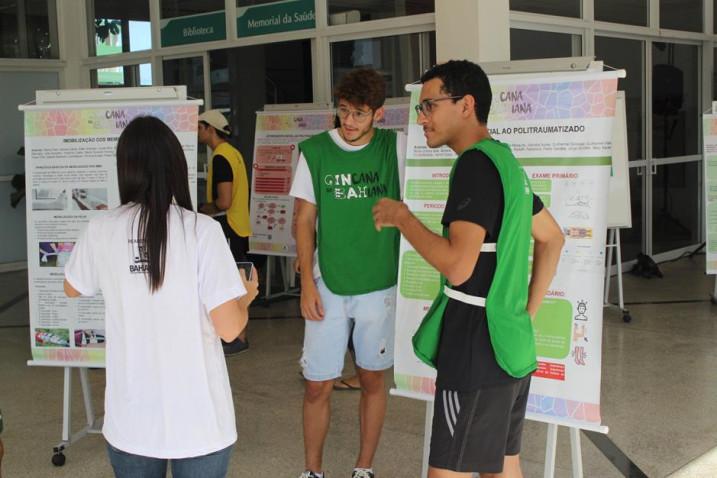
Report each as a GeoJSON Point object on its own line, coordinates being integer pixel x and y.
{"type": "Point", "coordinates": [427, 438]}
{"type": "Point", "coordinates": [609, 246]}
{"type": "Point", "coordinates": [551, 445]}
{"type": "Point", "coordinates": [67, 405]}
{"type": "Point", "coordinates": [288, 272]}
{"type": "Point", "coordinates": [576, 453]}
{"type": "Point", "coordinates": [87, 395]}
{"type": "Point", "coordinates": [619, 270]}
{"type": "Point", "coordinates": [292, 273]}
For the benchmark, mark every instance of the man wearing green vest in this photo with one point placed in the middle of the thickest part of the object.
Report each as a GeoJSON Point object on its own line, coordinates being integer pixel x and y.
{"type": "Point", "coordinates": [348, 269]}
{"type": "Point", "coordinates": [484, 349]}
{"type": "Point", "coordinates": [227, 195]}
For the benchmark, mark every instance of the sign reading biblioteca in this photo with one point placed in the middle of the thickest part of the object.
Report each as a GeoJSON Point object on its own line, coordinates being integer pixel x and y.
{"type": "Point", "coordinates": [285, 16]}
{"type": "Point", "coordinates": [194, 29]}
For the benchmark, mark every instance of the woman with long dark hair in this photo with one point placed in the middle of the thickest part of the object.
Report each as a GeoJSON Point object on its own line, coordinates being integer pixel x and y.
{"type": "Point", "coordinates": [171, 291]}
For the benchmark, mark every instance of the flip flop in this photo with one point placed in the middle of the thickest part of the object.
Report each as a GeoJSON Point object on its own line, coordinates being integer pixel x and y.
{"type": "Point", "coordinates": [343, 385]}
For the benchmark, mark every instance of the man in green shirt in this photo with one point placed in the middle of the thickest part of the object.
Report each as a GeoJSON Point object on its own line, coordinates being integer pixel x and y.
{"type": "Point", "coordinates": [485, 345]}
{"type": "Point", "coordinates": [348, 269]}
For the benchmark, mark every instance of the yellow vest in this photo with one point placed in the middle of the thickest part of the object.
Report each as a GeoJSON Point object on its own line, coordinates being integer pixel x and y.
{"type": "Point", "coordinates": [238, 212]}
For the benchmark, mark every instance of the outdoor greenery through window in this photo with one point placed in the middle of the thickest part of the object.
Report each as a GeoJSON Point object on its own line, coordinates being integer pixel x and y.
{"type": "Point", "coordinates": [119, 27]}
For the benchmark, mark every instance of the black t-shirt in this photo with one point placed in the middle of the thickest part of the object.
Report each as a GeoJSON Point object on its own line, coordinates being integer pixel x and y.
{"type": "Point", "coordinates": [466, 360]}
{"type": "Point", "coordinates": [221, 173]}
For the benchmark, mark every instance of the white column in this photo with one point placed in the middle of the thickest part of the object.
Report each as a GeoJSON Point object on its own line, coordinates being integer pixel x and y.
{"type": "Point", "coordinates": [72, 28]}
{"type": "Point", "coordinates": [476, 30]}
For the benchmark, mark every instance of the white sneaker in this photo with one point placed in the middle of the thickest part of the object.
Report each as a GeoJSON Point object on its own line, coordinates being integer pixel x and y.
{"type": "Point", "coordinates": [311, 474]}
{"type": "Point", "coordinates": [362, 473]}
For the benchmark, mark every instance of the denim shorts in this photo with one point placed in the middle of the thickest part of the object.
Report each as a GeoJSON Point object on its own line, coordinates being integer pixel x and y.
{"type": "Point", "coordinates": [369, 317]}
{"type": "Point", "coordinates": [127, 465]}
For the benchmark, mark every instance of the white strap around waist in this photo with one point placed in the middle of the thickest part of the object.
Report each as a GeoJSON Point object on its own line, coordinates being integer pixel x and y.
{"type": "Point", "coordinates": [463, 297]}
{"type": "Point", "coordinates": [488, 247]}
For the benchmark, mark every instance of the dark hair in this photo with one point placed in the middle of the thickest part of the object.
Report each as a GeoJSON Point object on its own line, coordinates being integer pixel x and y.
{"type": "Point", "coordinates": [362, 87]}
{"type": "Point", "coordinates": [460, 78]}
{"type": "Point", "coordinates": [152, 172]}
{"type": "Point", "coordinates": [225, 135]}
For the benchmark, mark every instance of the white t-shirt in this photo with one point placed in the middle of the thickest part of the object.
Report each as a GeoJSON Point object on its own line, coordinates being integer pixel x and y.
{"type": "Point", "coordinates": [167, 391]}
{"type": "Point", "coordinates": [303, 188]}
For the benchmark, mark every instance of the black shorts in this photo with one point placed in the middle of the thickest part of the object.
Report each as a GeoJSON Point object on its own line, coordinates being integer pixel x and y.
{"type": "Point", "coordinates": [239, 245]}
{"type": "Point", "coordinates": [474, 431]}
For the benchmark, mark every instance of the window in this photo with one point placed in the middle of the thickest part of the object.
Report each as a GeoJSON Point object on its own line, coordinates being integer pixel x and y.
{"type": "Point", "coordinates": [563, 8]}
{"type": "Point", "coordinates": [185, 71]}
{"type": "Point", "coordinates": [628, 55]}
{"type": "Point", "coordinates": [122, 76]}
{"type": "Point", "coordinates": [630, 12]}
{"type": "Point", "coordinates": [681, 15]}
{"type": "Point", "coordinates": [675, 99]}
{"type": "Point", "coordinates": [28, 29]}
{"type": "Point", "coordinates": [533, 44]}
{"type": "Point", "coordinates": [119, 26]}
{"type": "Point", "coordinates": [400, 59]}
{"type": "Point", "coordinates": [192, 21]}
{"type": "Point", "coordinates": [183, 8]}
{"type": "Point", "coordinates": [244, 79]}
{"type": "Point", "coordinates": [352, 11]}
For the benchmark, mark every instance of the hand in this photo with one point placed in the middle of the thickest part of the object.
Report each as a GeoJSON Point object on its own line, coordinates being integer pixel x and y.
{"type": "Point", "coordinates": [311, 307]}
{"type": "Point", "coordinates": [251, 286]}
{"type": "Point", "coordinates": [388, 213]}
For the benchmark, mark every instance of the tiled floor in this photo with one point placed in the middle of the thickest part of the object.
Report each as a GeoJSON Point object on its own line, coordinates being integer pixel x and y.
{"type": "Point", "coordinates": [659, 394]}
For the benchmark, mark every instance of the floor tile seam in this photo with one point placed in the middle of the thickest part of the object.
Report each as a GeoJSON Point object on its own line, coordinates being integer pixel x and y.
{"type": "Point", "coordinates": [671, 333]}
{"type": "Point", "coordinates": [708, 457]}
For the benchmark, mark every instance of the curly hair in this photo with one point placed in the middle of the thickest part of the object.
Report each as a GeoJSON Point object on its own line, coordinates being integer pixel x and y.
{"type": "Point", "coordinates": [362, 87]}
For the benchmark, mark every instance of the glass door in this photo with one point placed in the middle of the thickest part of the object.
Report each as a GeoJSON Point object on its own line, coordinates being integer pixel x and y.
{"type": "Point", "coordinates": [630, 55]}
{"type": "Point", "coordinates": [674, 172]}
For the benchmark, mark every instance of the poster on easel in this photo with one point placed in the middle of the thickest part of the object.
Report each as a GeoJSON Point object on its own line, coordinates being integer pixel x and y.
{"type": "Point", "coordinates": [559, 126]}
{"type": "Point", "coordinates": [71, 176]}
{"type": "Point", "coordinates": [710, 187]}
{"type": "Point", "coordinates": [276, 154]}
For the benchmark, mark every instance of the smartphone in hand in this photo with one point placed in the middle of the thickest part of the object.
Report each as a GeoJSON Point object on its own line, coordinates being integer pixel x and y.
{"type": "Point", "coordinates": [247, 267]}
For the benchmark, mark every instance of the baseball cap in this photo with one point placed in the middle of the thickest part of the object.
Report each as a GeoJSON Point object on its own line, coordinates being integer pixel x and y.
{"type": "Point", "coordinates": [217, 120]}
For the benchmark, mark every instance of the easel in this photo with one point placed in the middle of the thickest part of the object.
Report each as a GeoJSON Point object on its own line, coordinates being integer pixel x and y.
{"type": "Point", "coordinates": [619, 212]}
{"type": "Point", "coordinates": [286, 262]}
{"type": "Point", "coordinates": [538, 68]}
{"type": "Point", "coordinates": [288, 278]}
{"type": "Point", "coordinates": [613, 243]}
{"type": "Point", "coordinates": [93, 424]}
{"type": "Point", "coordinates": [95, 98]}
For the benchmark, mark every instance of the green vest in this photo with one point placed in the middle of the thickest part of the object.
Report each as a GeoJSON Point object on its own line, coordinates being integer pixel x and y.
{"type": "Point", "coordinates": [353, 257]}
{"type": "Point", "coordinates": [509, 325]}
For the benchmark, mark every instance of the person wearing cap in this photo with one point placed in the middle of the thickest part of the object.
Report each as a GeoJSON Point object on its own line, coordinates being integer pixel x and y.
{"type": "Point", "coordinates": [227, 195]}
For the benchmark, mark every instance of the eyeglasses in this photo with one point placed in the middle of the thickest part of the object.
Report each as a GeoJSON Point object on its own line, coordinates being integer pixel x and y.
{"type": "Point", "coordinates": [426, 106]}
{"type": "Point", "coordinates": [357, 115]}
